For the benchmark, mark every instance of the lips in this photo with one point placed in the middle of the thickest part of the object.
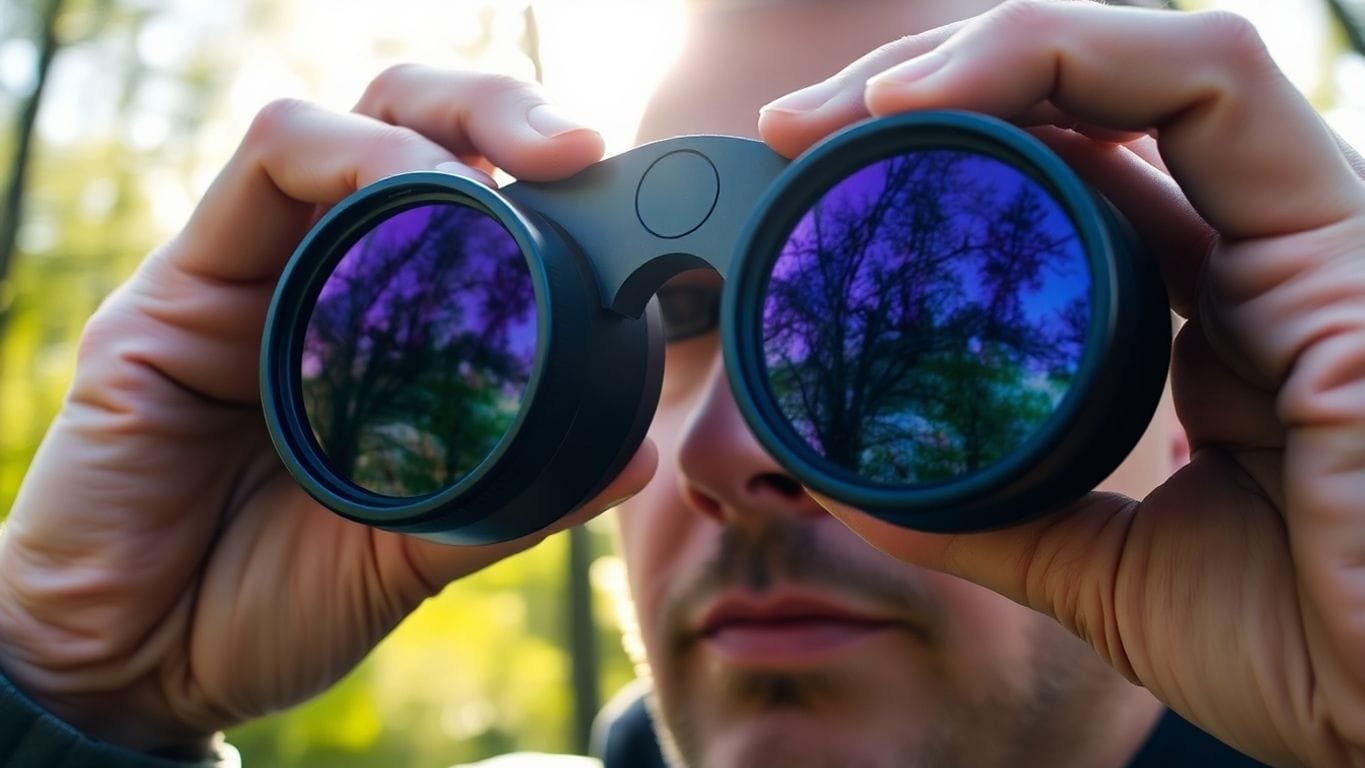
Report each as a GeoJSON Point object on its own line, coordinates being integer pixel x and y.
{"type": "Point", "coordinates": [789, 630]}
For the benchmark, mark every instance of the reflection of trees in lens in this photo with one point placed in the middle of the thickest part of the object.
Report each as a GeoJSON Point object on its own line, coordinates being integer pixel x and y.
{"type": "Point", "coordinates": [418, 350]}
{"type": "Point", "coordinates": [925, 316]}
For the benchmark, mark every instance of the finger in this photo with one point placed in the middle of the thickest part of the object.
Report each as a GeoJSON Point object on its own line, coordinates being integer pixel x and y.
{"type": "Point", "coordinates": [294, 157]}
{"type": "Point", "coordinates": [506, 120]}
{"type": "Point", "coordinates": [793, 122]}
{"type": "Point", "coordinates": [1233, 130]}
{"type": "Point", "coordinates": [1118, 577]}
{"type": "Point", "coordinates": [993, 559]}
{"type": "Point", "coordinates": [1047, 114]}
{"type": "Point", "coordinates": [1131, 176]}
{"type": "Point", "coordinates": [1353, 156]}
{"type": "Point", "coordinates": [432, 565]}
{"type": "Point", "coordinates": [194, 310]}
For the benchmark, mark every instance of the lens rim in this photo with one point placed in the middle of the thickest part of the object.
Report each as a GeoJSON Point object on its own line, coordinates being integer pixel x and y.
{"type": "Point", "coordinates": [291, 310]}
{"type": "Point", "coordinates": [969, 501]}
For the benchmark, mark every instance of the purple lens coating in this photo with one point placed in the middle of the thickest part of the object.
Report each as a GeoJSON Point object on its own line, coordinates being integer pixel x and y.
{"type": "Point", "coordinates": [419, 350]}
{"type": "Point", "coordinates": [926, 316]}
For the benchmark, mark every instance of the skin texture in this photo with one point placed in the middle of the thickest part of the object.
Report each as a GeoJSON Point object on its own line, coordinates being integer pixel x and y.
{"type": "Point", "coordinates": [1266, 373]}
{"type": "Point", "coordinates": [1235, 591]}
{"type": "Point", "coordinates": [962, 676]}
{"type": "Point", "coordinates": [161, 449]}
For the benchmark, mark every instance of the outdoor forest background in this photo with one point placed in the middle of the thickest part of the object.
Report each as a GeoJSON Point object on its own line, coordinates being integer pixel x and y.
{"type": "Point", "coordinates": [114, 116]}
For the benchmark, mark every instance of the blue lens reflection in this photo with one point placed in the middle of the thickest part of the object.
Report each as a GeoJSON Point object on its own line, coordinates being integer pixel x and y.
{"type": "Point", "coordinates": [926, 316]}
{"type": "Point", "coordinates": [419, 350]}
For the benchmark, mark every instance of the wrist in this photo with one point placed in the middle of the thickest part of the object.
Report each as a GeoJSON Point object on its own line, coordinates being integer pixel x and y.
{"type": "Point", "coordinates": [32, 735]}
{"type": "Point", "coordinates": [101, 722]}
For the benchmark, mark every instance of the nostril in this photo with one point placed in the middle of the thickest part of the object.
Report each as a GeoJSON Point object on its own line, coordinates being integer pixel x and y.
{"type": "Point", "coordinates": [702, 502]}
{"type": "Point", "coordinates": [772, 481]}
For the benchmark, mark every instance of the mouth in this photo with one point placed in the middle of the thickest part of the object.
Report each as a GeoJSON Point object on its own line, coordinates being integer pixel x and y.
{"type": "Point", "coordinates": [788, 630]}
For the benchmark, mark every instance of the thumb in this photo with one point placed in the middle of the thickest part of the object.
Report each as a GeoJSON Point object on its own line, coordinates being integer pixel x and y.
{"type": "Point", "coordinates": [434, 565]}
{"type": "Point", "coordinates": [1069, 564]}
{"type": "Point", "coordinates": [1065, 565]}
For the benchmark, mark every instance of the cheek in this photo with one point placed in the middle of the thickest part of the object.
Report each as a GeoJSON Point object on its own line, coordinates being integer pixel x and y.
{"type": "Point", "coordinates": [991, 640]}
{"type": "Point", "coordinates": [655, 523]}
{"type": "Point", "coordinates": [649, 536]}
{"type": "Point", "coordinates": [660, 537]}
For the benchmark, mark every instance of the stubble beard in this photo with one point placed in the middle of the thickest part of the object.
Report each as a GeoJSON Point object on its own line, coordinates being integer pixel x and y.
{"type": "Point", "coordinates": [1010, 726]}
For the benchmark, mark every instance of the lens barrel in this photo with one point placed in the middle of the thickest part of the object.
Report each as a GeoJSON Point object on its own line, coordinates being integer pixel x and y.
{"type": "Point", "coordinates": [934, 320]}
{"type": "Point", "coordinates": [928, 317]}
{"type": "Point", "coordinates": [515, 340]}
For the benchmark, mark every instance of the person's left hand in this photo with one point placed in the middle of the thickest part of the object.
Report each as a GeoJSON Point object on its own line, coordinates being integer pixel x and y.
{"type": "Point", "coordinates": [1235, 591]}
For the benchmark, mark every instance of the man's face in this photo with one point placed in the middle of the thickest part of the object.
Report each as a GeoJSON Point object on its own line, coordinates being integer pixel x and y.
{"type": "Point", "coordinates": [774, 635]}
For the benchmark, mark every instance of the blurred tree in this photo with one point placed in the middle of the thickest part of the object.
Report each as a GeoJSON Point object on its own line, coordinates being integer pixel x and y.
{"type": "Point", "coordinates": [112, 127]}
{"type": "Point", "coordinates": [45, 23]}
{"type": "Point", "coordinates": [1351, 15]}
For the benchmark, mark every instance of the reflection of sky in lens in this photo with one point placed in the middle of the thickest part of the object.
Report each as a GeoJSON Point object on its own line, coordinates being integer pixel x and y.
{"type": "Point", "coordinates": [419, 348]}
{"type": "Point", "coordinates": [925, 316]}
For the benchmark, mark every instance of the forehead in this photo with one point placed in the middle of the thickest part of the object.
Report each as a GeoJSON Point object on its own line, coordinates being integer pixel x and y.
{"type": "Point", "coordinates": [738, 55]}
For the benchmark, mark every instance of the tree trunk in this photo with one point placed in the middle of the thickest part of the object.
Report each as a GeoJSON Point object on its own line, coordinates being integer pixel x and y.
{"type": "Point", "coordinates": [1351, 14]}
{"type": "Point", "coordinates": [23, 149]}
{"type": "Point", "coordinates": [582, 639]}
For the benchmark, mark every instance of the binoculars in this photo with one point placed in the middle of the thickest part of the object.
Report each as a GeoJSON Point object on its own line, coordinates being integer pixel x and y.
{"type": "Point", "coordinates": [928, 317]}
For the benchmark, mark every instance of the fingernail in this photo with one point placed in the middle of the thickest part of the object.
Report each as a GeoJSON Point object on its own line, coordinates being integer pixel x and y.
{"type": "Point", "coordinates": [550, 122]}
{"type": "Point", "coordinates": [805, 100]}
{"type": "Point", "coordinates": [911, 71]}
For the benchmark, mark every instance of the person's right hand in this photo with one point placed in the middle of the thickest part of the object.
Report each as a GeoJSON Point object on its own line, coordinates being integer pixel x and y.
{"type": "Point", "coordinates": [161, 576]}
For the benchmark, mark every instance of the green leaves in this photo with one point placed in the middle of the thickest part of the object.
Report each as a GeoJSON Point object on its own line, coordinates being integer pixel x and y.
{"type": "Point", "coordinates": [479, 670]}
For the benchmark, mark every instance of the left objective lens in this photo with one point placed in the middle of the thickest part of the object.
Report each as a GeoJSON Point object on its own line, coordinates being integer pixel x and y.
{"type": "Point", "coordinates": [418, 350]}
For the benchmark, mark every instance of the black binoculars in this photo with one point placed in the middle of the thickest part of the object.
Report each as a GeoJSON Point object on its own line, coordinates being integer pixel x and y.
{"type": "Point", "coordinates": [929, 317]}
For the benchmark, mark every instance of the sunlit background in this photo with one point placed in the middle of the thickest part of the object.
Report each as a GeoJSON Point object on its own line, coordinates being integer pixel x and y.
{"type": "Point", "coordinates": [142, 100]}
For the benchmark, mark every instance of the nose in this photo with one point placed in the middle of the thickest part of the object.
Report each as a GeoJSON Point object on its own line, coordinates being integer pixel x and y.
{"type": "Point", "coordinates": [723, 470]}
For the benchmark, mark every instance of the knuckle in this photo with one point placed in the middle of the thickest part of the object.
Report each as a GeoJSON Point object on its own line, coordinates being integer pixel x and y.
{"type": "Point", "coordinates": [884, 57]}
{"type": "Point", "coordinates": [391, 79]}
{"type": "Point", "coordinates": [1027, 17]}
{"type": "Point", "coordinates": [396, 74]}
{"type": "Point", "coordinates": [1232, 38]}
{"type": "Point", "coordinates": [400, 139]}
{"type": "Point", "coordinates": [503, 87]}
{"type": "Point", "coordinates": [273, 121]}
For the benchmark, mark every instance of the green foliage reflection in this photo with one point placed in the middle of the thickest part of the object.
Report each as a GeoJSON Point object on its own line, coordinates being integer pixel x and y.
{"type": "Point", "coordinates": [418, 349]}
{"type": "Point", "coordinates": [926, 316]}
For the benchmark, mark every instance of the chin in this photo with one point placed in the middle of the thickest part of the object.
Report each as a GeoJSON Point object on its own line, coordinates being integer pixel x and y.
{"type": "Point", "coordinates": [847, 713]}
{"type": "Point", "coordinates": [798, 740]}
{"type": "Point", "coordinates": [824, 730]}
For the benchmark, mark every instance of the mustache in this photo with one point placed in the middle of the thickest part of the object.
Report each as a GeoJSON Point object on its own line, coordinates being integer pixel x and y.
{"type": "Point", "coordinates": [786, 552]}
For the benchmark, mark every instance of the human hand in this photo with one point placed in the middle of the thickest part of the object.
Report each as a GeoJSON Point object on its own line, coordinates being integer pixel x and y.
{"type": "Point", "coordinates": [161, 576]}
{"type": "Point", "coordinates": [1236, 590]}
